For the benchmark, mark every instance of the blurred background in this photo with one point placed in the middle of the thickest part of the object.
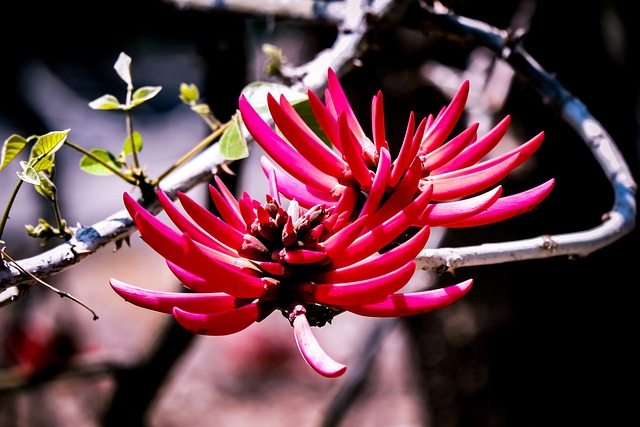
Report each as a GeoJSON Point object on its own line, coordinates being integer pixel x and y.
{"type": "Point", "coordinates": [536, 342]}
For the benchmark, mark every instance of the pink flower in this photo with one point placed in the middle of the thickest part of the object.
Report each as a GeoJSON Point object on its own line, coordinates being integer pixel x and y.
{"type": "Point", "coordinates": [312, 172]}
{"type": "Point", "coordinates": [310, 265]}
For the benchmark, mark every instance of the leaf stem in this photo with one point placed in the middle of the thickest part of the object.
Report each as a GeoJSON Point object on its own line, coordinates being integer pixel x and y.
{"type": "Point", "coordinates": [127, 178]}
{"type": "Point", "coordinates": [5, 216]}
{"type": "Point", "coordinates": [206, 141]}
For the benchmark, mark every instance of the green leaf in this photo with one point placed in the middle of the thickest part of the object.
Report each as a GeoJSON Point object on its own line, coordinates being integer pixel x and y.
{"type": "Point", "coordinates": [42, 152]}
{"type": "Point", "coordinates": [46, 188]}
{"type": "Point", "coordinates": [123, 68]}
{"type": "Point", "coordinates": [11, 148]}
{"type": "Point", "coordinates": [106, 102]}
{"type": "Point", "coordinates": [189, 93]}
{"type": "Point", "coordinates": [94, 167]}
{"type": "Point", "coordinates": [144, 94]}
{"type": "Point", "coordinates": [137, 144]}
{"type": "Point", "coordinates": [232, 144]}
{"type": "Point", "coordinates": [28, 174]}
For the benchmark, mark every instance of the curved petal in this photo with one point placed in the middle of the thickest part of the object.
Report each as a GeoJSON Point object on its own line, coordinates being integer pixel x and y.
{"type": "Point", "coordinates": [282, 152]}
{"type": "Point", "coordinates": [341, 104]}
{"type": "Point", "coordinates": [211, 223]}
{"type": "Point", "coordinates": [408, 304]}
{"type": "Point", "coordinates": [225, 323]}
{"type": "Point", "coordinates": [303, 139]}
{"type": "Point", "coordinates": [507, 207]}
{"type": "Point", "coordinates": [478, 149]}
{"type": "Point", "coordinates": [311, 351]}
{"type": "Point", "coordinates": [443, 154]}
{"type": "Point", "coordinates": [353, 154]}
{"type": "Point", "coordinates": [366, 291]}
{"type": "Point", "coordinates": [379, 265]}
{"type": "Point", "coordinates": [293, 189]}
{"type": "Point", "coordinates": [165, 301]}
{"type": "Point", "coordinates": [438, 132]}
{"type": "Point", "coordinates": [442, 214]}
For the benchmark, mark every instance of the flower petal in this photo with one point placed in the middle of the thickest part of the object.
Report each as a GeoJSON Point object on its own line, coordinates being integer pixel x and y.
{"type": "Point", "coordinates": [370, 290]}
{"type": "Point", "coordinates": [211, 223]}
{"type": "Point", "coordinates": [303, 139]}
{"type": "Point", "coordinates": [508, 207]}
{"type": "Point", "coordinates": [378, 265]}
{"type": "Point", "coordinates": [311, 351]}
{"type": "Point", "coordinates": [443, 214]}
{"type": "Point", "coordinates": [408, 304]}
{"type": "Point", "coordinates": [165, 301]}
{"type": "Point", "coordinates": [282, 152]}
{"type": "Point", "coordinates": [477, 150]}
{"type": "Point", "coordinates": [436, 134]}
{"type": "Point", "coordinates": [225, 323]}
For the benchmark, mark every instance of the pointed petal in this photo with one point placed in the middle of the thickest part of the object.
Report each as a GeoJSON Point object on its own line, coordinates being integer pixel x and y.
{"type": "Point", "coordinates": [370, 290]}
{"type": "Point", "coordinates": [524, 151]}
{"type": "Point", "coordinates": [193, 281]}
{"type": "Point", "coordinates": [408, 304]}
{"type": "Point", "coordinates": [379, 185]}
{"type": "Point", "coordinates": [508, 207]}
{"type": "Point", "coordinates": [477, 150]}
{"type": "Point", "coordinates": [446, 187]}
{"type": "Point", "coordinates": [303, 139]}
{"type": "Point", "coordinates": [303, 256]}
{"type": "Point", "coordinates": [187, 226]}
{"type": "Point", "coordinates": [442, 214]}
{"type": "Point", "coordinates": [379, 237]}
{"type": "Point", "coordinates": [377, 119]}
{"type": "Point", "coordinates": [341, 104]}
{"type": "Point", "coordinates": [401, 196]}
{"type": "Point", "coordinates": [438, 132]}
{"type": "Point", "coordinates": [211, 223]}
{"type": "Point", "coordinates": [353, 154]}
{"type": "Point", "coordinates": [225, 323]}
{"type": "Point", "coordinates": [339, 241]}
{"type": "Point", "coordinates": [443, 154]}
{"type": "Point", "coordinates": [282, 152]}
{"type": "Point", "coordinates": [165, 301]}
{"type": "Point", "coordinates": [408, 150]}
{"type": "Point", "coordinates": [311, 351]}
{"type": "Point", "coordinates": [231, 279]}
{"type": "Point", "coordinates": [230, 212]}
{"type": "Point", "coordinates": [378, 265]}
{"type": "Point", "coordinates": [292, 189]}
{"type": "Point", "coordinates": [327, 121]}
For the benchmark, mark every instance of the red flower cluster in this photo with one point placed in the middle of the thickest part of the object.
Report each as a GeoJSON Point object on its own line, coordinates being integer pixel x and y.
{"type": "Point", "coordinates": [333, 249]}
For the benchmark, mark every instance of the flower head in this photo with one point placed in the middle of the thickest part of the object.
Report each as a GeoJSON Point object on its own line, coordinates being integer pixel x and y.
{"type": "Point", "coordinates": [336, 246]}
{"type": "Point", "coordinates": [256, 258]}
{"type": "Point", "coordinates": [429, 158]}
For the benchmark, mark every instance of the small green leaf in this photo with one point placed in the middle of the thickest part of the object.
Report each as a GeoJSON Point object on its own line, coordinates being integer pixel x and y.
{"type": "Point", "coordinates": [11, 148]}
{"type": "Point", "coordinates": [94, 167]}
{"type": "Point", "coordinates": [46, 188]}
{"type": "Point", "coordinates": [46, 164]}
{"type": "Point", "coordinates": [123, 68]}
{"type": "Point", "coordinates": [137, 144]}
{"type": "Point", "coordinates": [144, 94]}
{"type": "Point", "coordinates": [49, 143]}
{"type": "Point", "coordinates": [28, 174]}
{"type": "Point", "coordinates": [232, 144]}
{"type": "Point", "coordinates": [106, 102]}
{"type": "Point", "coordinates": [189, 93]}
